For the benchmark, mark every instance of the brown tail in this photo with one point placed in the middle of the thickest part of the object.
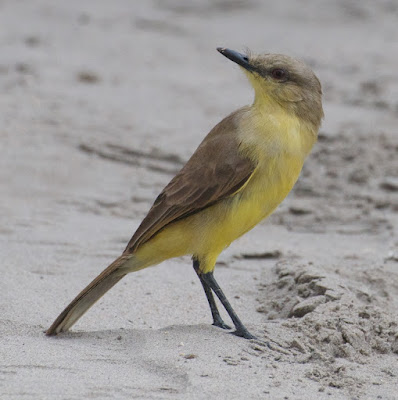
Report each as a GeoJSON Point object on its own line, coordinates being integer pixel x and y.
{"type": "Point", "coordinates": [88, 296]}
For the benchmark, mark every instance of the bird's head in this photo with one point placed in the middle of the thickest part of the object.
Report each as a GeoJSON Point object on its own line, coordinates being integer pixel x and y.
{"type": "Point", "coordinates": [282, 80]}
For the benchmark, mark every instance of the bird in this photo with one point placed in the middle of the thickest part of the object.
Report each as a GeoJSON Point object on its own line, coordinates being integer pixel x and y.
{"type": "Point", "coordinates": [239, 174]}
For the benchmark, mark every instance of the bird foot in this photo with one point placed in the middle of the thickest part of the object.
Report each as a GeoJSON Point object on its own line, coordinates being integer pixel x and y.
{"type": "Point", "coordinates": [244, 333]}
{"type": "Point", "coordinates": [221, 324]}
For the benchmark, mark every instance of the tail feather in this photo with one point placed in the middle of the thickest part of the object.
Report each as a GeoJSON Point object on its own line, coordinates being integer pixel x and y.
{"type": "Point", "coordinates": [88, 296]}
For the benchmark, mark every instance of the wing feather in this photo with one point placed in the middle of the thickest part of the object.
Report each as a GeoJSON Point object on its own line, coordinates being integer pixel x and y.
{"type": "Point", "coordinates": [215, 171]}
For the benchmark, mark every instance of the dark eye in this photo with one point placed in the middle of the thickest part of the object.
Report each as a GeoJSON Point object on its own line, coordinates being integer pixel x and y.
{"type": "Point", "coordinates": [279, 74]}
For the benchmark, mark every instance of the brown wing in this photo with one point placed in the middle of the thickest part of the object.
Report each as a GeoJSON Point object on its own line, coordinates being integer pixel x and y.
{"type": "Point", "coordinates": [215, 171]}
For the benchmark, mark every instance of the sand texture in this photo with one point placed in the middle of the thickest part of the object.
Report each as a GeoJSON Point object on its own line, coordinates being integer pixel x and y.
{"type": "Point", "coordinates": [101, 104]}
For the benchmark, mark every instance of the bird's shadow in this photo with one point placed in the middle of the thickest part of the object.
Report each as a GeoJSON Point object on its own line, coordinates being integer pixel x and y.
{"type": "Point", "coordinates": [172, 335]}
{"type": "Point", "coordinates": [199, 330]}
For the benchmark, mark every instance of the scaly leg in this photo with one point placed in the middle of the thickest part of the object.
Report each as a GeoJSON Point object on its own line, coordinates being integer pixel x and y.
{"type": "Point", "coordinates": [217, 320]}
{"type": "Point", "coordinates": [241, 330]}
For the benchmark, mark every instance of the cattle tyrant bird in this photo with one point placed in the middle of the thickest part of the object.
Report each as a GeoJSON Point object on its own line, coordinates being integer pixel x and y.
{"type": "Point", "coordinates": [238, 175]}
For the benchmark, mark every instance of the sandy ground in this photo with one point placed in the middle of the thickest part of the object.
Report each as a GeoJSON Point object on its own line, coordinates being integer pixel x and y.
{"type": "Point", "coordinates": [101, 102]}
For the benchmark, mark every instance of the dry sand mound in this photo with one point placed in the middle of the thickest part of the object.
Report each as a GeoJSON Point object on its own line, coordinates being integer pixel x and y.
{"type": "Point", "coordinates": [328, 316]}
{"type": "Point", "coordinates": [333, 325]}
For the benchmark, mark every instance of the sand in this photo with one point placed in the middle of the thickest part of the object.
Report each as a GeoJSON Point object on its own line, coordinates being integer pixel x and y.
{"type": "Point", "coordinates": [102, 102]}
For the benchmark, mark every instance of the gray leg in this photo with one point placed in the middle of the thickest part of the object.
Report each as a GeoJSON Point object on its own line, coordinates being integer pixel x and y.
{"type": "Point", "coordinates": [240, 328]}
{"type": "Point", "coordinates": [217, 320]}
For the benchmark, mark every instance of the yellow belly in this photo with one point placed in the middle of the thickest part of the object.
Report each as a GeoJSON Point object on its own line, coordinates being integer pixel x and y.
{"type": "Point", "coordinates": [206, 233]}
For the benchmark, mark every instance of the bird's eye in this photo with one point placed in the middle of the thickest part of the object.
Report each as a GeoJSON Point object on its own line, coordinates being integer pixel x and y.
{"type": "Point", "coordinates": [279, 74]}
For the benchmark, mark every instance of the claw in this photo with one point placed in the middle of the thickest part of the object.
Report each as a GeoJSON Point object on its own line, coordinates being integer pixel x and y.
{"type": "Point", "coordinates": [244, 334]}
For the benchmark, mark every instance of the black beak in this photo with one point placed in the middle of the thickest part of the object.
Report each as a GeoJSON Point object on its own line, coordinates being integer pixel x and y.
{"type": "Point", "coordinates": [236, 57]}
